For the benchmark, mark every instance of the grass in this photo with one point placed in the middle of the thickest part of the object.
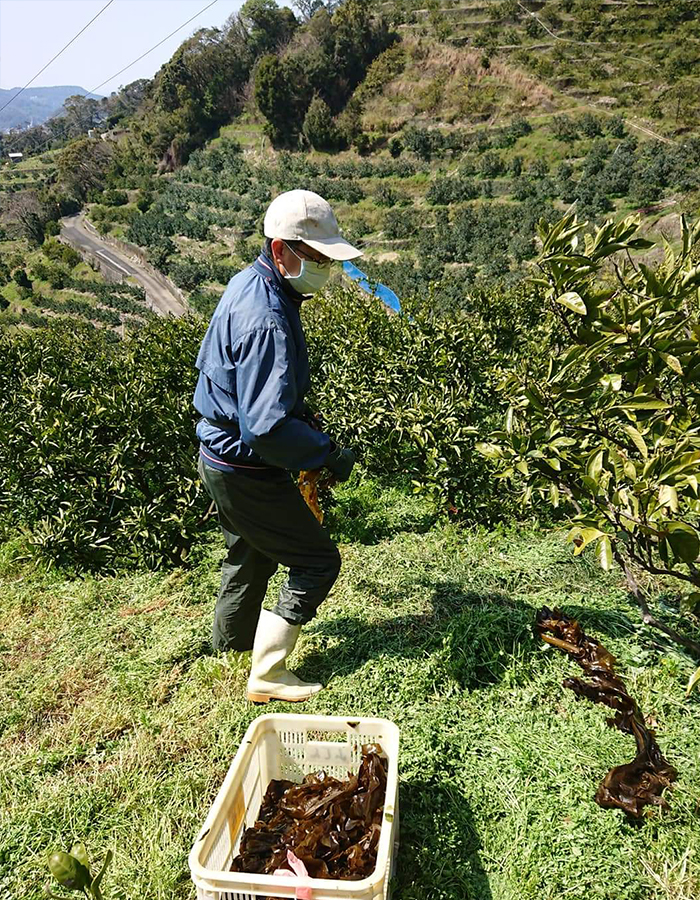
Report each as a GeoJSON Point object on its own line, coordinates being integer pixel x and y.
{"type": "Point", "coordinates": [117, 724]}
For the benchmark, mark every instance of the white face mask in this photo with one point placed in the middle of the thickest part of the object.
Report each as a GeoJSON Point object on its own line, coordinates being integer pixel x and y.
{"type": "Point", "coordinates": [312, 276]}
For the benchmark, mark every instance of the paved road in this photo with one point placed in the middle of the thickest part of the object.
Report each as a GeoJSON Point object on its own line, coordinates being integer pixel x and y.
{"type": "Point", "coordinates": [76, 231]}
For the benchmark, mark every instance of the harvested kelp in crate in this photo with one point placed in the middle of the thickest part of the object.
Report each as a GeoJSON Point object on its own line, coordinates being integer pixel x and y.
{"type": "Point", "coordinates": [331, 826]}
{"type": "Point", "coordinates": [309, 807]}
{"type": "Point", "coordinates": [634, 785]}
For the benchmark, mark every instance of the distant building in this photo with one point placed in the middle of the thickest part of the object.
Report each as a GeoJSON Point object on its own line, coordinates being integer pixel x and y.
{"type": "Point", "coordinates": [15, 157]}
{"type": "Point", "coordinates": [113, 135]}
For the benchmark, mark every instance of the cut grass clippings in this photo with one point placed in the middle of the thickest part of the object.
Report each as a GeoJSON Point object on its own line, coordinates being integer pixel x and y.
{"type": "Point", "coordinates": [117, 725]}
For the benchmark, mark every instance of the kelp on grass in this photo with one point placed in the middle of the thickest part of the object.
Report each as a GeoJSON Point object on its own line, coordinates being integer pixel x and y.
{"type": "Point", "coordinates": [634, 785]}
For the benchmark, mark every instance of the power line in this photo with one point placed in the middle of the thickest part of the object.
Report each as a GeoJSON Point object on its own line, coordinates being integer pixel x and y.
{"type": "Point", "coordinates": [15, 96]}
{"type": "Point", "coordinates": [155, 46]}
{"type": "Point", "coordinates": [138, 59]}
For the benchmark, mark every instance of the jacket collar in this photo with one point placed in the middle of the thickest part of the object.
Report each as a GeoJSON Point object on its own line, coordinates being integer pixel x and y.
{"type": "Point", "coordinates": [264, 266]}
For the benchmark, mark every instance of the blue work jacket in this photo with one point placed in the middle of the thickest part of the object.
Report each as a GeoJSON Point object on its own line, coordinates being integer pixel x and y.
{"type": "Point", "coordinates": [253, 376]}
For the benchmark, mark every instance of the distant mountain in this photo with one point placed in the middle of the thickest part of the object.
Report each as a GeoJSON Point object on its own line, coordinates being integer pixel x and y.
{"type": "Point", "coordinates": [36, 104]}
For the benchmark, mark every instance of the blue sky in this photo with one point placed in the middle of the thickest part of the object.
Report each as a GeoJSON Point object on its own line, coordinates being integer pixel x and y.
{"type": "Point", "coordinates": [32, 31]}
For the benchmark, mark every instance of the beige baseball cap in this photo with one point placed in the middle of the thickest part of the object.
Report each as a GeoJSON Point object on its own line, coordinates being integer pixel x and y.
{"type": "Point", "coordinates": [305, 216]}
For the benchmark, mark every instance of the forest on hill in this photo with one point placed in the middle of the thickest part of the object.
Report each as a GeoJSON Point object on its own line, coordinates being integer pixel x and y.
{"type": "Point", "coordinates": [442, 133]}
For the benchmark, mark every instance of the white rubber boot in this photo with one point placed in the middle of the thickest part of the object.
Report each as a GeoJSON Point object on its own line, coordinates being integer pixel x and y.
{"type": "Point", "coordinates": [269, 677]}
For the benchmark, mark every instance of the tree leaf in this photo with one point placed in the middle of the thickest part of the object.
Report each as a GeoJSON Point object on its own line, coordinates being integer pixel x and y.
{"type": "Point", "coordinates": [693, 682]}
{"type": "Point", "coordinates": [668, 496]}
{"type": "Point", "coordinates": [691, 602]}
{"type": "Point", "coordinates": [604, 553]}
{"type": "Point", "coordinates": [509, 420]}
{"type": "Point", "coordinates": [672, 362]}
{"type": "Point", "coordinates": [581, 537]}
{"type": "Point", "coordinates": [535, 399]}
{"type": "Point", "coordinates": [683, 540]}
{"type": "Point", "coordinates": [595, 465]}
{"type": "Point", "coordinates": [98, 878]}
{"type": "Point", "coordinates": [643, 401]}
{"type": "Point", "coordinates": [637, 440]}
{"type": "Point", "coordinates": [490, 451]}
{"type": "Point", "coordinates": [613, 381]}
{"type": "Point", "coordinates": [680, 463]}
{"type": "Point", "coordinates": [79, 851]}
{"type": "Point", "coordinates": [573, 301]}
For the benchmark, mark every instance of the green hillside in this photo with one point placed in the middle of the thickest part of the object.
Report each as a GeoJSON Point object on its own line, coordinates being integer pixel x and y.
{"type": "Point", "coordinates": [38, 285]}
{"type": "Point", "coordinates": [463, 133]}
{"type": "Point", "coordinates": [636, 56]}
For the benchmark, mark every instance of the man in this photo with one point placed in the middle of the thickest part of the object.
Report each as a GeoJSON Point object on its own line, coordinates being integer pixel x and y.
{"type": "Point", "coordinates": [256, 428]}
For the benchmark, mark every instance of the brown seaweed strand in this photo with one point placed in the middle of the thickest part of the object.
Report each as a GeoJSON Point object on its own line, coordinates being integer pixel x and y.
{"type": "Point", "coordinates": [634, 785]}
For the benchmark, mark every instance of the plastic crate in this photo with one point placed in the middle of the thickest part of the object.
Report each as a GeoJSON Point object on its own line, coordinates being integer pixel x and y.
{"type": "Point", "coordinates": [291, 746]}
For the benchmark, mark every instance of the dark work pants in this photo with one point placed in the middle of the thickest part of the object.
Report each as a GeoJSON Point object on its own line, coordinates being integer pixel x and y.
{"type": "Point", "coordinates": [266, 523]}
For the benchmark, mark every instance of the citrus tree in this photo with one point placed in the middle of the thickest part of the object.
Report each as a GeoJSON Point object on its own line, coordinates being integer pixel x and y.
{"type": "Point", "coordinates": [608, 420]}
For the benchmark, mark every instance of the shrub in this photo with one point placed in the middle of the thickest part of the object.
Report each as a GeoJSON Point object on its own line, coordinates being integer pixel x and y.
{"type": "Point", "coordinates": [538, 168]}
{"type": "Point", "coordinates": [386, 66]}
{"type": "Point", "coordinates": [387, 196]}
{"type": "Point", "coordinates": [616, 127]}
{"type": "Point", "coordinates": [564, 128]}
{"type": "Point", "coordinates": [59, 252]}
{"type": "Point", "coordinates": [99, 461]}
{"type": "Point", "coordinates": [606, 422]}
{"type": "Point", "coordinates": [491, 165]}
{"type": "Point", "coordinates": [114, 198]}
{"type": "Point", "coordinates": [401, 223]}
{"type": "Point", "coordinates": [204, 302]}
{"type": "Point", "coordinates": [319, 128]}
{"type": "Point", "coordinates": [395, 147]}
{"type": "Point", "coordinates": [422, 141]}
{"type": "Point", "coordinates": [407, 393]}
{"type": "Point", "coordinates": [515, 166]}
{"type": "Point", "coordinates": [145, 201]}
{"type": "Point", "coordinates": [444, 191]}
{"type": "Point", "coordinates": [363, 143]}
{"type": "Point", "coordinates": [21, 278]}
{"type": "Point", "coordinates": [188, 273]}
{"type": "Point", "coordinates": [590, 125]}
{"type": "Point", "coordinates": [57, 276]}
{"type": "Point", "coordinates": [99, 448]}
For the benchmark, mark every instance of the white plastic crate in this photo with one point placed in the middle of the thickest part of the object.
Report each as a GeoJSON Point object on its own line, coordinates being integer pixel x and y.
{"type": "Point", "coordinates": [291, 746]}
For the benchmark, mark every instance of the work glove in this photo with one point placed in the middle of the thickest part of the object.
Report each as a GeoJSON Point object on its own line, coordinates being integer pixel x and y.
{"type": "Point", "coordinates": [312, 418]}
{"type": "Point", "coordinates": [340, 461]}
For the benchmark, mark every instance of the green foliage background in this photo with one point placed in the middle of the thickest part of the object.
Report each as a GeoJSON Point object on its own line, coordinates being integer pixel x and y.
{"type": "Point", "coordinates": [99, 461]}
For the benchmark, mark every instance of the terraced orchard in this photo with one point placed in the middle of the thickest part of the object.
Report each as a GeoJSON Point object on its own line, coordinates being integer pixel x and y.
{"type": "Point", "coordinates": [38, 286]}
{"type": "Point", "coordinates": [638, 56]}
{"type": "Point", "coordinates": [453, 204]}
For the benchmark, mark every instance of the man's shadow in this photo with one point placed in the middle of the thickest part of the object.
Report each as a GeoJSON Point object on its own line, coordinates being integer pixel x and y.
{"type": "Point", "coordinates": [475, 639]}
{"type": "Point", "coordinates": [438, 835]}
{"type": "Point", "coordinates": [478, 635]}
